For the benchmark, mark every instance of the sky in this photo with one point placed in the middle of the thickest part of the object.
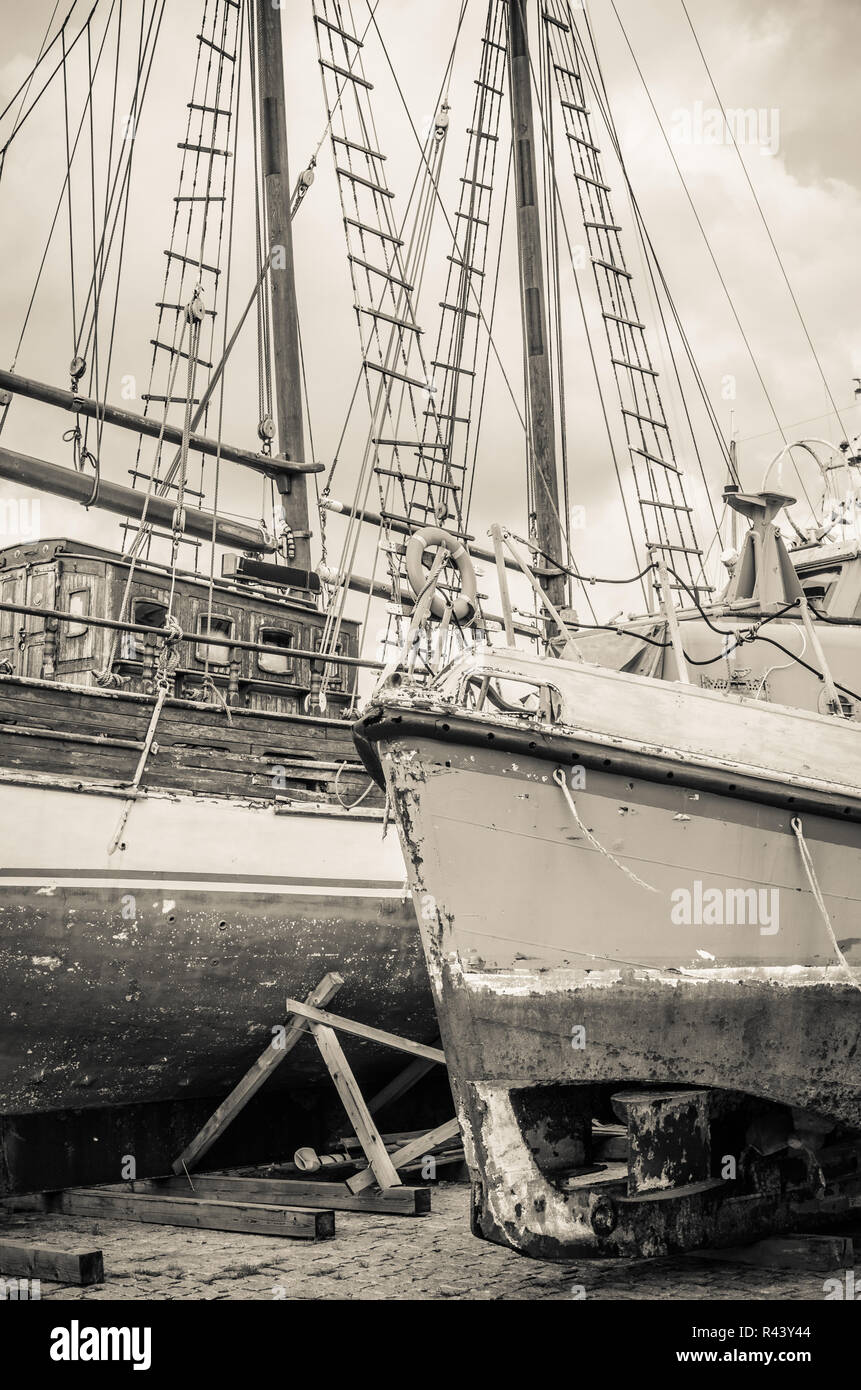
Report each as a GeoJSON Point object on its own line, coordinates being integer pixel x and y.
{"type": "Point", "coordinates": [793, 63]}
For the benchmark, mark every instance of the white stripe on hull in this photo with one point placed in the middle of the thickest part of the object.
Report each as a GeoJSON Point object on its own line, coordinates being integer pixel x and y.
{"type": "Point", "coordinates": [225, 844]}
{"type": "Point", "coordinates": [315, 889]}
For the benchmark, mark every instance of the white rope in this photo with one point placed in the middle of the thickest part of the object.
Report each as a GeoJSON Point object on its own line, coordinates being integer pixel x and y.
{"type": "Point", "coordinates": [163, 691]}
{"type": "Point", "coordinates": [807, 861]}
{"type": "Point", "coordinates": [351, 805]}
{"type": "Point", "coordinates": [559, 779]}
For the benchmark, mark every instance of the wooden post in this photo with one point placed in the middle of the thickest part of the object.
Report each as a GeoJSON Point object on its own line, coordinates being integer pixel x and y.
{"type": "Point", "coordinates": [282, 277]}
{"type": "Point", "coordinates": [572, 651]}
{"type": "Point", "coordinates": [504, 595]}
{"type": "Point", "coordinates": [533, 306]}
{"type": "Point", "coordinates": [831, 692]}
{"type": "Point", "coordinates": [672, 621]}
{"type": "Point", "coordinates": [234, 664]}
{"type": "Point", "coordinates": [381, 1167]}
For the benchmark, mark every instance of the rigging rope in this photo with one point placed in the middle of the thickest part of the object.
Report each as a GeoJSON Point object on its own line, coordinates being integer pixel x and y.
{"type": "Point", "coordinates": [699, 223]}
{"type": "Point", "coordinates": [765, 224]}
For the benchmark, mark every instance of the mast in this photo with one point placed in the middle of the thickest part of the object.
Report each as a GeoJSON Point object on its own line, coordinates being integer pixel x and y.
{"type": "Point", "coordinates": [533, 300]}
{"type": "Point", "coordinates": [282, 275]}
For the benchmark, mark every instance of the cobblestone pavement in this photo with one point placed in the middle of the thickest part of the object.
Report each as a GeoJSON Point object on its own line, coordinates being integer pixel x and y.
{"type": "Point", "coordinates": [380, 1257]}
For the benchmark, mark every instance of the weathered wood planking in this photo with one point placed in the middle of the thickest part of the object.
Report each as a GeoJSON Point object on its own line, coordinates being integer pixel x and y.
{"type": "Point", "coordinates": [54, 729]}
{"type": "Point", "coordinates": [25, 1260]}
{"type": "Point", "coordinates": [250, 1218]}
{"type": "Point", "coordinates": [332, 1196]}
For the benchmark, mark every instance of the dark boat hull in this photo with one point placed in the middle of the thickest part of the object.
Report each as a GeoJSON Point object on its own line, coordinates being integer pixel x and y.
{"type": "Point", "coordinates": [157, 974]}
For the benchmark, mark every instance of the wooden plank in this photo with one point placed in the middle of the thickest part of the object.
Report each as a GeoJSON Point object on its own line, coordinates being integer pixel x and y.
{"type": "Point", "coordinates": [400, 1084]}
{"type": "Point", "coordinates": [298, 1223]}
{"type": "Point", "coordinates": [290, 1192]}
{"type": "Point", "coordinates": [191, 720]}
{"type": "Point", "coordinates": [381, 1166]}
{"type": "Point", "coordinates": [26, 1260]}
{"type": "Point", "coordinates": [253, 1079]}
{"type": "Point", "coordinates": [417, 1148]}
{"type": "Point", "coordinates": [362, 1030]}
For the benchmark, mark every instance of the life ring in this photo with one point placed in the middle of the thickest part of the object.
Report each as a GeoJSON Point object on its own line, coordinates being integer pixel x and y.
{"type": "Point", "coordinates": [463, 608]}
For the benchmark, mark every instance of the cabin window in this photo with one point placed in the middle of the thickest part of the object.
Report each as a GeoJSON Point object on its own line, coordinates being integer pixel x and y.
{"type": "Point", "coordinates": [277, 662]}
{"type": "Point", "coordinates": [149, 612]}
{"type": "Point", "coordinates": [79, 602]}
{"type": "Point", "coordinates": [215, 653]}
{"type": "Point", "coordinates": [526, 699]}
{"type": "Point", "coordinates": [335, 679]}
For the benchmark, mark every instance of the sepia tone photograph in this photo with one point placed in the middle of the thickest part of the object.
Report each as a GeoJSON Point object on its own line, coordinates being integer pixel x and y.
{"type": "Point", "coordinates": [430, 662]}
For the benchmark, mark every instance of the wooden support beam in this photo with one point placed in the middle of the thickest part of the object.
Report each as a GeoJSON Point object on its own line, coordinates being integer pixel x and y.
{"type": "Point", "coordinates": [251, 1082]}
{"type": "Point", "coordinates": [400, 1084]}
{"type": "Point", "coordinates": [417, 1148]}
{"type": "Point", "coordinates": [291, 1192]}
{"type": "Point", "coordinates": [381, 1166]}
{"type": "Point", "coordinates": [363, 1030]}
{"type": "Point", "coordinates": [23, 1260]}
{"type": "Point", "coordinates": [251, 1218]}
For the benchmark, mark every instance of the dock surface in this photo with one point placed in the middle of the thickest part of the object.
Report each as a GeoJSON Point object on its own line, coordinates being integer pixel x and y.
{"type": "Point", "coordinates": [388, 1258]}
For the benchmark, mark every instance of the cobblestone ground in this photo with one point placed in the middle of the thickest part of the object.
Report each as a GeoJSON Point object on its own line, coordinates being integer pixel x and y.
{"type": "Point", "coordinates": [380, 1257]}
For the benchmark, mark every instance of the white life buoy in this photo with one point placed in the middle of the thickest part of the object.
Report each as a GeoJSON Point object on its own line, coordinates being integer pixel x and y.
{"type": "Point", "coordinates": [463, 608]}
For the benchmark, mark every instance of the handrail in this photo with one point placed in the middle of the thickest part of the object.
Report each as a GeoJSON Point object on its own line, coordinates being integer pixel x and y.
{"type": "Point", "coordinates": [211, 639]}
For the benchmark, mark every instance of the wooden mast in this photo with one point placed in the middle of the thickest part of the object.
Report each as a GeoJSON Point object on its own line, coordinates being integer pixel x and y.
{"type": "Point", "coordinates": [285, 331]}
{"type": "Point", "coordinates": [542, 462]}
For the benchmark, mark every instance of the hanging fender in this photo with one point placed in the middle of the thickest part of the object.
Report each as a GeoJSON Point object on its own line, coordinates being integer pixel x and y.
{"type": "Point", "coordinates": [464, 607]}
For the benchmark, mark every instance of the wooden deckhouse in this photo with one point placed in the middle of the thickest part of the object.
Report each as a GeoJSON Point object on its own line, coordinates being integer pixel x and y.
{"type": "Point", "coordinates": [82, 579]}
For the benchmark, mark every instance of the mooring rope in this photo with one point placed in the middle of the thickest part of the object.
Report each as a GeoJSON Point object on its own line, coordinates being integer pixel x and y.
{"type": "Point", "coordinates": [815, 889]}
{"type": "Point", "coordinates": [164, 689]}
{"type": "Point", "coordinates": [351, 805]}
{"type": "Point", "coordinates": [559, 779]}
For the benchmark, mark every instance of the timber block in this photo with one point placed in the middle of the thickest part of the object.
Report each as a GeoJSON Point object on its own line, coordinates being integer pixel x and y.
{"type": "Point", "coordinates": [669, 1139]}
{"type": "Point", "coordinates": [24, 1259]}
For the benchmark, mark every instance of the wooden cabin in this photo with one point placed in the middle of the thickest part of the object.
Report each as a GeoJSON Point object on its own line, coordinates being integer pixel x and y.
{"type": "Point", "coordinates": [84, 579]}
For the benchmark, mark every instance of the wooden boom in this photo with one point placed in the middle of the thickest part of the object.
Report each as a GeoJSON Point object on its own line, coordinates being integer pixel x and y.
{"type": "Point", "coordinates": [150, 425]}
{"type": "Point", "coordinates": [113, 497]}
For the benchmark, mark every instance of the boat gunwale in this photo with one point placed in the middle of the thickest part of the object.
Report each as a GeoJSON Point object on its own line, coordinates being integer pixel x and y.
{"type": "Point", "coordinates": [390, 719]}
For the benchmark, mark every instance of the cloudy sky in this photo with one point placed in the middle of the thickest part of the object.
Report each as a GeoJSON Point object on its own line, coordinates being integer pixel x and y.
{"type": "Point", "coordinates": [793, 62]}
